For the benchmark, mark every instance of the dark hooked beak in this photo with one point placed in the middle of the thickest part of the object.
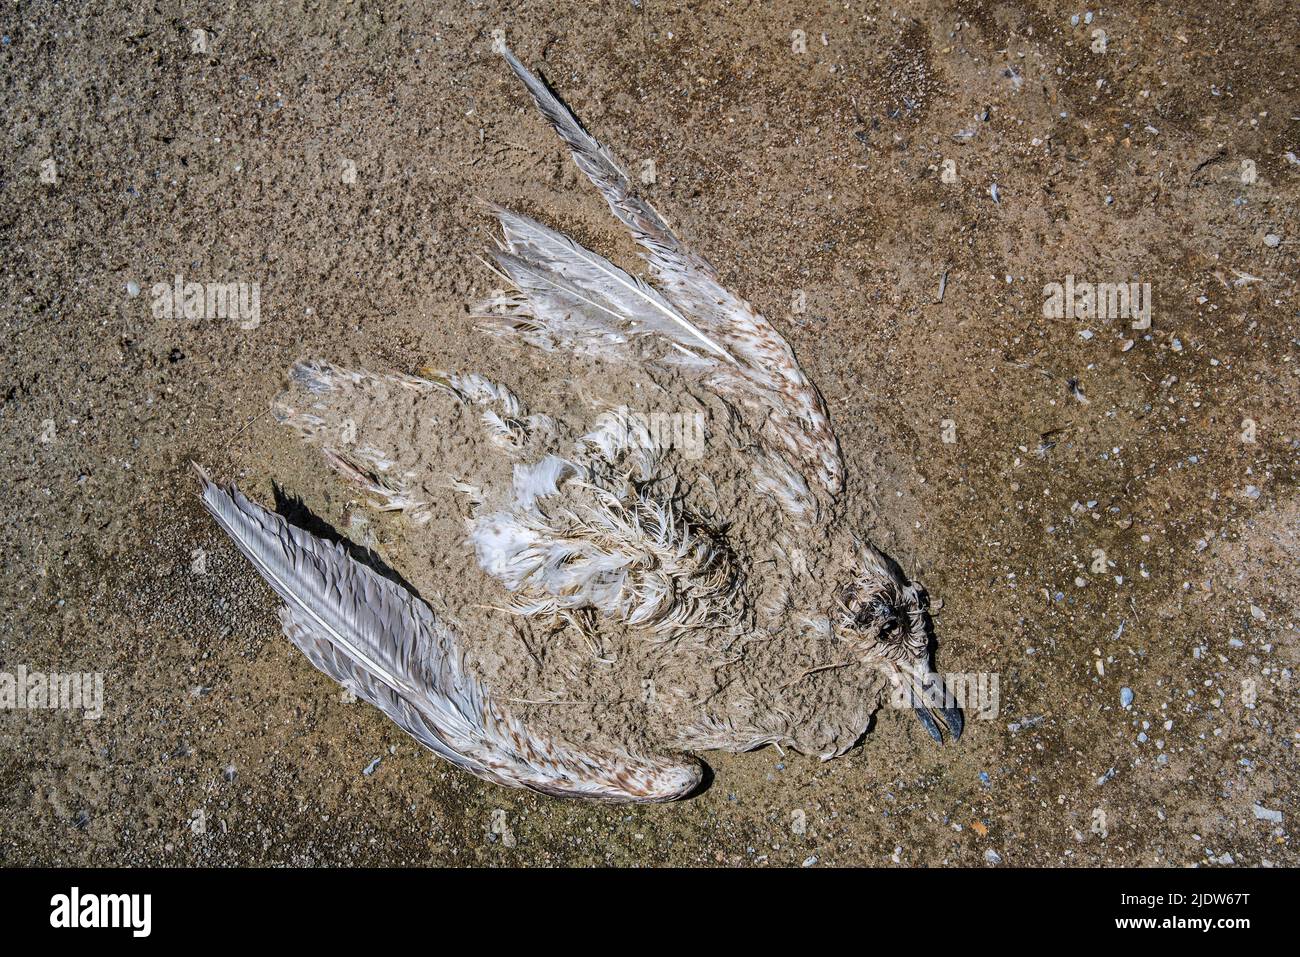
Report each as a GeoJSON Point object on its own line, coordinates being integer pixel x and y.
{"type": "Point", "coordinates": [934, 705]}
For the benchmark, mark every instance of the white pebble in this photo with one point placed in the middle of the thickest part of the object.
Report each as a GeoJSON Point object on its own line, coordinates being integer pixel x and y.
{"type": "Point", "coordinates": [1267, 814]}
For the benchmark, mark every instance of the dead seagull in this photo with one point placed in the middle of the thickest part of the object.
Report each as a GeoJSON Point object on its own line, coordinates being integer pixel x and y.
{"type": "Point", "coordinates": [748, 614]}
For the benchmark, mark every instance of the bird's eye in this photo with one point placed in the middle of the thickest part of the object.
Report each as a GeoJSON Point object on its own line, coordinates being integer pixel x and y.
{"type": "Point", "coordinates": [884, 612]}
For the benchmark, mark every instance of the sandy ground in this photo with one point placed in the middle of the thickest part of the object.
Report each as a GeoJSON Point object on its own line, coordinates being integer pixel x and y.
{"type": "Point", "coordinates": [331, 153]}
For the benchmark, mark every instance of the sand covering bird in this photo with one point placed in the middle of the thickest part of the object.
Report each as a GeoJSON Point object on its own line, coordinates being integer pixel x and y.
{"type": "Point", "coordinates": [717, 599]}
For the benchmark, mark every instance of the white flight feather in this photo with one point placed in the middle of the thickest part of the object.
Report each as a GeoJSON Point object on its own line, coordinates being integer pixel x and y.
{"type": "Point", "coordinates": [594, 272]}
{"type": "Point", "coordinates": [533, 278]}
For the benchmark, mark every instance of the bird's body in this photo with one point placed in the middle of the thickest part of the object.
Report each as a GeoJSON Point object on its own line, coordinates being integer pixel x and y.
{"type": "Point", "coordinates": [666, 573]}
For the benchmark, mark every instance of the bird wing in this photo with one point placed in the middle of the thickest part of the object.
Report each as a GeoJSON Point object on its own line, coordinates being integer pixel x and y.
{"type": "Point", "coordinates": [540, 261]}
{"type": "Point", "coordinates": [719, 335]}
{"type": "Point", "coordinates": [386, 645]}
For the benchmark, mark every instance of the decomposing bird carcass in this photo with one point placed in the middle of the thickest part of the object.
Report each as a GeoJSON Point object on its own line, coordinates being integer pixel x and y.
{"type": "Point", "coordinates": [645, 598]}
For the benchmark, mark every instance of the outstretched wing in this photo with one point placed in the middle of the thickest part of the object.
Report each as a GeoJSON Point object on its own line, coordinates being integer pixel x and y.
{"type": "Point", "coordinates": [387, 646]}
{"type": "Point", "coordinates": [716, 333]}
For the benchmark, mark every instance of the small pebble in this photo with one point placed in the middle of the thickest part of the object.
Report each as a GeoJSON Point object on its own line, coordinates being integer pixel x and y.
{"type": "Point", "coordinates": [499, 829]}
{"type": "Point", "coordinates": [1126, 698]}
{"type": "Point", "coordinates": [1272, 240]}
{"type": "Point", "coordinates": [1267, 814]}
{"type": "Point", "coordinates": [992, 856]}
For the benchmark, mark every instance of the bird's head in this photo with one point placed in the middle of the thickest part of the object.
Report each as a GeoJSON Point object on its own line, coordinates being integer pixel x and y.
{"type": "Point", "coordinates": [884, 618]}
